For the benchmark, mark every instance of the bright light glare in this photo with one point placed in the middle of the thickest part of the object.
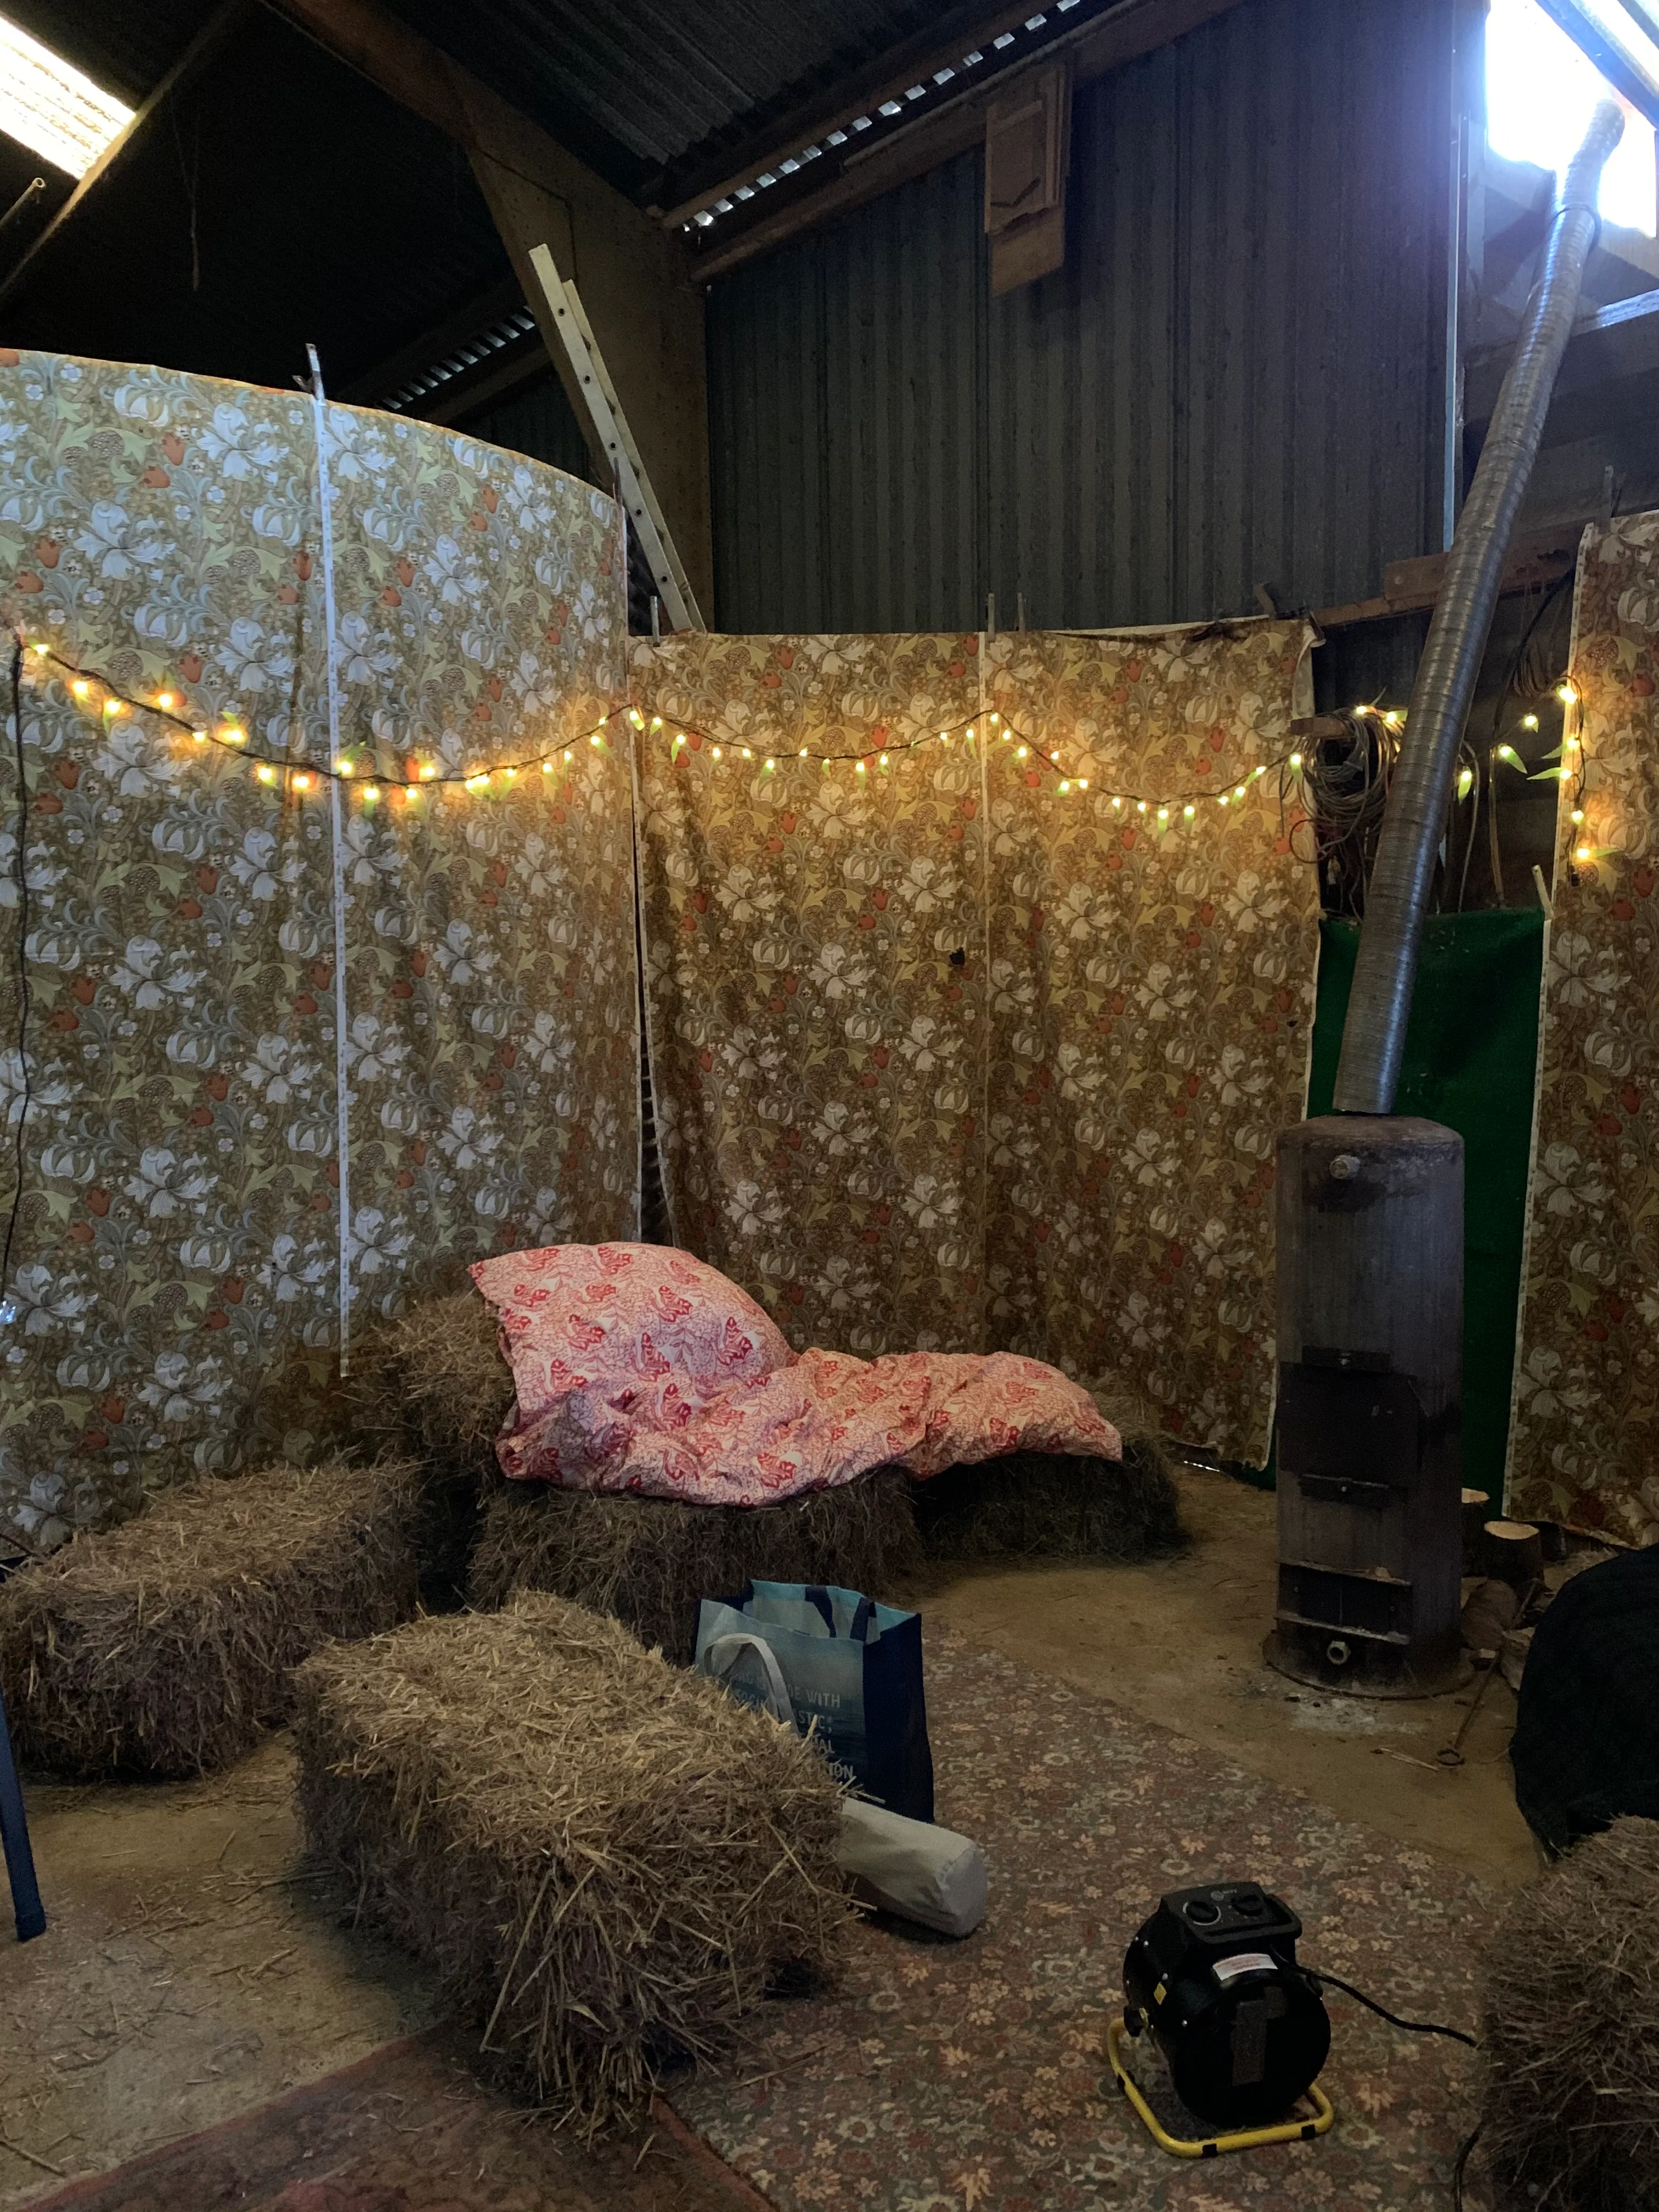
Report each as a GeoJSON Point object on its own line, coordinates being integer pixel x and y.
{"type": "Point", "coordinates": [1540, 88]}
{"type": "Point", "coordinates": [51, 108]}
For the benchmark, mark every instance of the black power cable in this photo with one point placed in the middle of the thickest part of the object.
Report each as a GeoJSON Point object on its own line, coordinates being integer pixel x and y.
{"type": "Point", "coordinates": [1319, 1979]}
{"type": "Point", "coordinates": [1461, 2168]}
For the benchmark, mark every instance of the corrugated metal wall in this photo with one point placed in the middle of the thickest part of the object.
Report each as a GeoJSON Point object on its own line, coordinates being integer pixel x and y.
{"type": "Point", "coordinates": [1236, 378]}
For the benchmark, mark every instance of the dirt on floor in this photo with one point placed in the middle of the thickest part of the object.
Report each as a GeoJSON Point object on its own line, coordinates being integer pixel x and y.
{"type": "Point", "coordinates": [195, 1967]}
{"type": "Point", "coordinates": [1179, 1641]}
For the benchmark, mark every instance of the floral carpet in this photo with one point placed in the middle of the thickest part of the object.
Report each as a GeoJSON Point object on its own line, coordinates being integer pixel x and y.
{"type": "Point", "coordinates": [967, 2077]}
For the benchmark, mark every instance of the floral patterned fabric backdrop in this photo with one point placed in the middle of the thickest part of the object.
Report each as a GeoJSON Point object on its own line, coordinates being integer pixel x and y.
{"type": "Point", "coordinates": [1584, 1440]}
{"type": "Point", "coordinates": [815, 963]}
{"type": "Point", "coordinates": [925, 1081]}
{"type": "Point", "coordinates": [1151, 1008]}
{"type": "Point", "coordinates": [174, 1269]}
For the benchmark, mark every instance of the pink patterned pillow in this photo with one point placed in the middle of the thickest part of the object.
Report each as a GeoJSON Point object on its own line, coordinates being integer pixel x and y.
{"type": "Point", "coordinates": [606, 1339]}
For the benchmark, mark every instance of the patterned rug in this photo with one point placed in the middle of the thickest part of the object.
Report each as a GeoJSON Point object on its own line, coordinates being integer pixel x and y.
{"type": "Point", "coordinates": [966, 2077]}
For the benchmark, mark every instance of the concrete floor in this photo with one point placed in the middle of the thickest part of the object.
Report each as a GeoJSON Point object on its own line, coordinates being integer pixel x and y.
{"type": "Point", "coordinates": [196, 1968]}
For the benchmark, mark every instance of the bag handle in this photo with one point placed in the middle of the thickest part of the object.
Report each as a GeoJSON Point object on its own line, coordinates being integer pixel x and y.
{"type": "Point", "coordinates": [722, 1655]}
{"type": "Point", "coordinates": [818, 1594]}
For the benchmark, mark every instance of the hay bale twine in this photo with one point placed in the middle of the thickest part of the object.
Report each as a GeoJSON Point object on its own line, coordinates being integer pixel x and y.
{"type": "Point", "coordinates": [649, 1560]}
{"type": "Point", "coordinates": [163, 1646]}
{"type": "Point", "coordinates": [1572, 2119]}
{"type": "Point", "coordinates": [609, 1860]}
{"type": "Point", "coordinates": [1029, 1505]}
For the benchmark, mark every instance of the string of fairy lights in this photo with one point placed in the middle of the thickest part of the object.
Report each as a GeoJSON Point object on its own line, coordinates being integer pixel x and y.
{"type": "Point", "coordinates": [372, 773]}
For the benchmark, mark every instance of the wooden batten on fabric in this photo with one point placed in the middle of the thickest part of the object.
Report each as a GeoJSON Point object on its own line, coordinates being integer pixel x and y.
{"type": "Point", "coordinates": [1582, 1444]}
{"type": "Point", "coordinates": [176, 1259]}
{"type": "Point", "coordinates": [946, 1056]}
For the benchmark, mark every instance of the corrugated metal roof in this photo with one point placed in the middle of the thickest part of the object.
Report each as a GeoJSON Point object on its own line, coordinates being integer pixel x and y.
{"type": "Point", "coordinates": [1236, 378]}
{"type": "Point", "coordinates": [659, 76]}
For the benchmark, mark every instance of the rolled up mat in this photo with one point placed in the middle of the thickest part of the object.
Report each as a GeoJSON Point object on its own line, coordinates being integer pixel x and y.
{"type": "Point", "coordinates": [910, 1867]}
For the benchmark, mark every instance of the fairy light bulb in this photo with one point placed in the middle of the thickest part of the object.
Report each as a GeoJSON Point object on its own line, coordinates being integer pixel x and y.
{"type": "Point", "coordinates": [1506, 752]}
{"type": "Point", "coordinates": [883, 760]}
{"type": "Point", "coordinates": [1019, 752]}
{"type": "Point", "coordinates": [995, 718]}
{"type": "Point", "coordinates": [770, 765]}
{"type": "Point", "coordinates": [747, 754]}
{"type": "Point", "coordinates": [1008, 737]}
{"type": "Point", "coordinates": [41, 651]}
{"type": "Point", "coordinates": [1583, 853]}
{"type": "Point", "coordinates": [1189, 812]}
{"type": "Point", "coordinates": [547, 768]}
{"type": "Point", "coordinates": [1053, 756]}
{"type": "Point", "coordinates": [1224, 799]}
{"type": "Point", "coordinates": [637, 718]}
{"type": "Point", "coordinates": [1239, 791]}
{"type": "Point", "coordinates": [1529, 721]}
{"type": "Point", "coordinates": [371, 791]}
{"type": "Point", "coordinates": [1296, 760]}
{"type": "Point", "coordinates": [235, 737]}
{"type": "Point", "coordinates": [1567, 694]}
{"type": "Point", "coordinates": [970, 731]}
{"type": "Point", "coordinates": [199, 737]}
{"type": "Point", "coordinates": [343, 768]}
{"type": "Point", "coordinates": [1083, 783]}
{"type": "Point", "coordinates": [1141, 807]}
{"type": "Point", "coordinates": [428, 770]}
{"type": "Point", "coordinates": [568, 755]}
{"type": "Point", "coordinates": [803, 752]}
{"type": "Point", "coordinates": [860, 768]}
{"type": "Point", "coordinates": [1163, 813]}
{"type": "Point", "coordinates": [1117, 802]}
{"type": "Point", "coordinates": [1577, 814]}
{"type": "Point", "coordinates": [79, 687]}
{"type": "Point", "coordinates": [265, 772]}
{"type": "Point", "coordinates": [656, 721]}
{"type": "Point", "coordinates": [164, 701]}
{"type": "Point", "coordinates": [1064, 785]}
{"type": "Point", "coordinates": [717, 753]}
{"type": "Point", "coordinates": [594, 739]}
{"type": "Point", "coordinates": [301, 782]}
{"type": "Point", "coordinates": [1465, 782]}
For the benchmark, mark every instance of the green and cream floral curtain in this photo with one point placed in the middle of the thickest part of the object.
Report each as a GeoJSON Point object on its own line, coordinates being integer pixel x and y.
{"type": "Point", "coordinates": [175, 1264]}
{"type": "Point", "coordinates": [961, 1048]}
{"type": "Point", "coordinates": [1584, 1440]}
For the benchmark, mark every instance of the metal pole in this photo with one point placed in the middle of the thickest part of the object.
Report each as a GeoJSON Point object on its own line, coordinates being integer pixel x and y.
{"type": "Point", "coordinates": [1397, 899]}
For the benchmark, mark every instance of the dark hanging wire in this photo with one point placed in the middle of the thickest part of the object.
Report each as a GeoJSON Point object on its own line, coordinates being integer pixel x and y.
{"type": "Point", "coordinates": [1318, 1976]}
{"type": "Point", "coordinates": [22, 935]}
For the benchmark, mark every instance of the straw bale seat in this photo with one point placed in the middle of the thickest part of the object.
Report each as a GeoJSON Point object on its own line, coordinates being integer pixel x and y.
{"type": "Point", "coordinates": [650, 1561]}
{"type": "Point", "coordinates": [163, 1646]}
{"type": "Point", "coordinates": [609, 1860]}
{"type": "Point", "coordinates": [1572, 2032]}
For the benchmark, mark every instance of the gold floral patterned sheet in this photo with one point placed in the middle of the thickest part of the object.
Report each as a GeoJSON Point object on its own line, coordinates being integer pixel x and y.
{"type": "Point", "coordinates": [815, 967]}
{"type": "Point", "coordinates": [1151, 998]}
{"type": "Point", "coordinates": [1584, 1440]}
{"type": "Point", "coordinates": [923, 1084]}
{"type": "Point", "coordinates": [175, 1269]}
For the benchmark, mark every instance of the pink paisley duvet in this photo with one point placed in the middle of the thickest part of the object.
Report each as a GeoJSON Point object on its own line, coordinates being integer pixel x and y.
{"type": "Point", "coordinates": [640, 1369]}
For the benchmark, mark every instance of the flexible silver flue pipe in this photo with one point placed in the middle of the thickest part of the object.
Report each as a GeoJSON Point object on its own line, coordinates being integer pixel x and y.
{"type": "Point", "coordinates": [1396, 898]}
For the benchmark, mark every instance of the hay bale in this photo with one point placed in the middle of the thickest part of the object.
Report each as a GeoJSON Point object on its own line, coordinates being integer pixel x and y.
{"type": "Point", "coordinates": [1572, 2119]}
{"type": "Point", "coordinates": [1029, 1505]}
{"type": "Point", "coordinates": [608, 1860]}
{"type": "Point", "coordinates": [433, 1386]}
{"type": "Point", "coordinates": [649, 1560]}
{"type": "Point", "coordinates": [163, 1646]}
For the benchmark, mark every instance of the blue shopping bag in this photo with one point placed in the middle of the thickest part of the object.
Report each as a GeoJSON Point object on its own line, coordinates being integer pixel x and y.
{"type": "Point", "coordinates": [836, 1663]}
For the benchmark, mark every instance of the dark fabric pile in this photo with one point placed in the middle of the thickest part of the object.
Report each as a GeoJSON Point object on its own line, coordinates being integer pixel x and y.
{"type": "Point", "coordinates": [1586, 1746]}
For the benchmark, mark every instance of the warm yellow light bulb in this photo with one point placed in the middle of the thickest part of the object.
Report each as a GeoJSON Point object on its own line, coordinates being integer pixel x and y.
{"type": "Point", "coordinates": [41, 650]}
{"type": "Point", "coordinates": [569, 754]}
{"type": "Point", "coordinates": [1506, 752]}
{"type": "Point", "coordinates": [427, 771]}
{"type": "Point", "coordinates": [1529, 721]}
{"type": "Point", "coordinates": [1083, 783]}
{"type": "Point", "coordinates": [199, 736]}
{"type": "Point", "coordinates": [747, 754]}
{"type": "Point", "coordinates": [770, 765]}
{"type": "Point", "coordinates": [1163, 813]}
{"type": "Point", "coordinates": [265, 772]}
{"type": "Point", "coordinates": [859, 769]}
{"type": "Point", "coordinates": [1064, 785]}
{"type": "Point", "coordinates": [371, 791]}
{"type": "Point", "coordinates": [1567, 694]}
{"type": "Point", "coordinates": [970, 729]}
{"type": "Point", "coordinates": [1019, 752]}
{"type": "Point", "coordinates": [1239, 792]}
{"type": "Point", "coordinates": [1224, 799]}
{"type": "Point", "coordinates": [803, 752]}
{"type": "Point", "coordinates": [717, 753]}
{"type": "Point", "coordinates": [883, 760]}
{"type": "Point", "coordinates": [235, 737]}
{"type": "Point", "coordinates": [1296, 760]}
{"type": "Point", "coordinates": [1189, 810]}
{"type": "Point", "coordinates": [594, 739]}
{"type": "Point", "coordinates": [1577, 814]}
{"type": "Point", "coordinates": [995, 718]}
{"type": "Point", "coordinates": [164, 701]}
{"type": "Point", "coordinates": [79, 687]}
{"type": "Point", "coordinates": [1141, 807]}
{"type": "Point", "coordinates": [302, 781]}
{"type": "Point", "coordinates": [342, 768]}
{"type": "Point", "coordinates": [547, 768]}
{"type": "Point", "coordinates": [1583, 853]}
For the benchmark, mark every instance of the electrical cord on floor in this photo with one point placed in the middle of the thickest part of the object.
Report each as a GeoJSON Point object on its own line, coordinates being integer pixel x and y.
{"type": "Point", "coordinates": [1461, 2167]}
{"type": "Point", "coordinates": [1319, 1979]}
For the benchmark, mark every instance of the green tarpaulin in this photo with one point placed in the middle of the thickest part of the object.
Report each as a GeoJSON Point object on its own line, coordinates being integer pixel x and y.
{"type": "Point", "coordinates": [1471, 1057]}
